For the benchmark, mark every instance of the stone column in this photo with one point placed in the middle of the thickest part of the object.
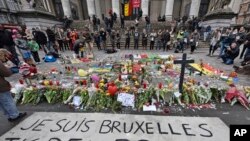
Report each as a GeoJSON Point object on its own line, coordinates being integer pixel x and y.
{"type": "Point", "coordinates": [169, 9]}
{"type": "Point", "coordinates": [66, 8]}
{"type": "Point", "coordinates": [116, 7]}
{"type": "Point", "coordinates": [98, 9]}
{"type": "Point", "coordinates": [194, 8]}
{"type": "Point", "coordinates": [144, 7]}
{"type": "Point", "coordinates": [91, 7]}
{"type": "Point", "coordinates": [49, 8]}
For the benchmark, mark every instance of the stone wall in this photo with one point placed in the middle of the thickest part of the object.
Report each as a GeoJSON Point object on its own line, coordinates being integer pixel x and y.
{"type": "Point", "coordinates": [39, 22]}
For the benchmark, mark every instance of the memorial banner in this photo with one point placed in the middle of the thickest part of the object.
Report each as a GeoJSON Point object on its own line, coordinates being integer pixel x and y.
{"type": "Point", "coordinates": [50, 126]}
{"type": "Point", "coordinates": [136, 3]}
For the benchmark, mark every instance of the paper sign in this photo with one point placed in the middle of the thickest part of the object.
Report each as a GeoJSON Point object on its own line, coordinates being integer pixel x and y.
{"type": "Point", "coordinates": [177, 94]}
{"type": "Point", "coordinates": [126, 99]}
{"type": "Point", "coordinates": [149, 108]}
{"type": "Point", "coordinates": [124, 77]}
{"type": "Point", "coordinates": [77, 101]}
{"type": "Point", "coordinates": [164, 56]}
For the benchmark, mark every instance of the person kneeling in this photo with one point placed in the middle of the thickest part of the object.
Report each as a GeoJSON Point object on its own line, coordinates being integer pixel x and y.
{"type": "Point", "coordinates": [231, 53]}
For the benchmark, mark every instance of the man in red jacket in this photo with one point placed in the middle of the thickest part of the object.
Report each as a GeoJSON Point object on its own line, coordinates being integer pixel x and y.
{"type": "Point", "coordinates": [6, 100]}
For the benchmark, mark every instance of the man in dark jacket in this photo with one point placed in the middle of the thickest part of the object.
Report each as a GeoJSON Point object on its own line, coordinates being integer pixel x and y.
{"type": "Point", "coordinates": [166, 39]}
{"type": "Point", "coordinates": [231, 53]}
{"type": "Point", "coordinates": [6, 41]}
{"type": "Point", "coordinates": [79, 43]}
{"type": "Point", "coordinates": [51, 39]}
{"type": "Point", "coordinates": [122, 21]}
{"type": "Point", "coordinates": [41, 39]}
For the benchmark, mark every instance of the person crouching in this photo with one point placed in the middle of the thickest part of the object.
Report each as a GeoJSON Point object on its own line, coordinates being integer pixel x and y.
{"type": "Point", "coordinates": [231, 53]}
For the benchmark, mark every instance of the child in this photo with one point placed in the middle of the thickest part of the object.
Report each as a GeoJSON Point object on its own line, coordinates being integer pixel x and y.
{"type": "Point", "coordinates": [34, 47]}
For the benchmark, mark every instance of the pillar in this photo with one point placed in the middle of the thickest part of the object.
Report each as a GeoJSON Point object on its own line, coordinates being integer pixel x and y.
{"type": "Point", "coordinates": [169, 9]}
{"type": "Point", "coordinates": [144, 7]}
{"type": "Point", "coordinates": [98, 9]}
{"type": "Point", "coordinates": [116, 7]}
{"type": "Point", "coordinates": [66, 8]}
{"type": "Point", "coordinates": [194, 8]}
{"type": "Point", "coordinates": [91, 7]}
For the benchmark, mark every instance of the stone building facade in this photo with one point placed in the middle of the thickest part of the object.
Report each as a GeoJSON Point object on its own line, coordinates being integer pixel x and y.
{"type": "Point", "coordinates": [244, 13]}
{"type": "Point", "coordinates": [47, 13]}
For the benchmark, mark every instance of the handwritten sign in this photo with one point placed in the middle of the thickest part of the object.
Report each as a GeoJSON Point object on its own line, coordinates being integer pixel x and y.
{"type": "Point", "coordinates": [49, 126]}
{"type": "Point", "coordinates": [126, 99]}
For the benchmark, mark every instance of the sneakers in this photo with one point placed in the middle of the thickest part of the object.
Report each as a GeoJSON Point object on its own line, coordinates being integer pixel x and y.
{"type": "Point", "coordinates": [19, 117]}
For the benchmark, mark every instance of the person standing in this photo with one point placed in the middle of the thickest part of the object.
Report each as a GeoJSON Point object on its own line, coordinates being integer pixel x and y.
{"type": "Point", "coordinates": [41, 39]}
{"type": "Point", "coordinates": [118, 40]}
{"type": "Point", "coordinates": [6, 100]}
{"type": "Point", "coordinates": [144, 39]}
{"type": "Point", "coordinates": [240, 38]}
{"type": "Point", "coordinates": [214, 42]}
{"type": "Point", "coordinates": [66, 40]}
{"type": "Point", "coordinates": [195, 36]}
{"type": "Point", "coordinates": [122, 21]}
{"type": "Point", "coordinates": [88, 40]}
{"type": "Point", "coordinates": [166, 39]}
{"type": "Point", "coordinates": [226, 39]}
{"type": "Point", "coordinates": [127, 41]}
{"type": "Point", "coordinates": [59, 38]}
{"type": "Point", "coordinates": [103, 35]}
{"type": "Point", "coordinates": [147, 19]}
{"type": "Point", "coordinates": [34, 48]}
{"type": "Point", "coordinates": [7, 42]}
{"type": "Point", "coordinates": [97, 40]}
{"type": "Point", "coordinates": [51, 39]}
{"type": "Point", "coordinates": [152, 39]}
{"type": "Point", "coordinates": [159, 37]}
{"type": "Point", "coordinates": [180, 40]}
{"type": "Point", "coordinates": [136, 39]}
{"type": "Point", "coordinates": [112, 38]}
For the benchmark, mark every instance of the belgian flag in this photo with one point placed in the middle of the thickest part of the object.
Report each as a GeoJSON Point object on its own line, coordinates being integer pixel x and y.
{"type": "Point", "coordinates": [128, 7]}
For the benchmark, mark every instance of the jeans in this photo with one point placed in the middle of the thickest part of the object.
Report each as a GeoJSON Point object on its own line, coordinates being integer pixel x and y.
{"type": "Point", "coordinates": [136, 42]}
{"type": "Point", "coordinates": [7, 104]}
{"type": "Point", "coordinates": [227, 60]}
{"type": "Point", "coordinates": [222, 48]}
{"type": "Point", "coordinates": [205, 36]}
{"type": "Point", "coordinates": [243, 51]}
{"type": "Point", "coordinates": [148, 27]}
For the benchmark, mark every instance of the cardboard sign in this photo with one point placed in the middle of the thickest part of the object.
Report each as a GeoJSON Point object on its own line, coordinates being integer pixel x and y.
{"type": "Point", "coordinates": [50, 126]}
{"type": "Point", "coordinates": [126, 99]}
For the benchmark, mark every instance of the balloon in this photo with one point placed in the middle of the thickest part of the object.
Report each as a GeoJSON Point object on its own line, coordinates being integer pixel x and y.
{"type": "Point", "coordinates": [95, 78]}
{"type": "Point", "coordinates": [82, 72]}
{"type": "Point", "coordinates": [112, 90]}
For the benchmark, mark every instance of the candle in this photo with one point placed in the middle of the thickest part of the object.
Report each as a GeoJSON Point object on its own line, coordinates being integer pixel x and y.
{"type": "Point", "coordinates": [21, 81]}
{"type": "Point", "coordinates": [57, 83]}
{"type": "Point", "coordinates": [160, 85]}
{"type": "Point", "coordinates": [76, 82]}
{"type": "Point", "coordinates": [84, 82]}
{"type": "Point", "coordinates": [50, 82]}
{"type": "Point", "coordinates": [120, 77]}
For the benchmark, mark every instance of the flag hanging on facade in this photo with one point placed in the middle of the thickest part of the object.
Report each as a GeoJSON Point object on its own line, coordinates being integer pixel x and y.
{"type": "Point", "coordinates": [126, 9]}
